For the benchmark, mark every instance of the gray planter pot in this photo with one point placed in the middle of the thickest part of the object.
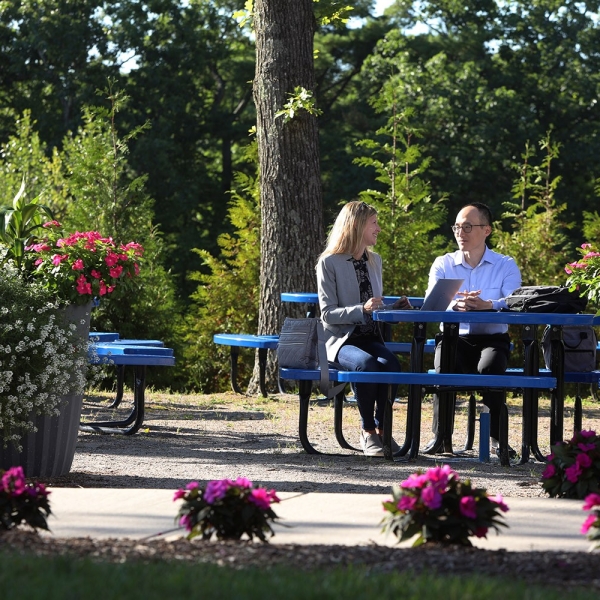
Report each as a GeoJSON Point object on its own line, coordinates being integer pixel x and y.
{"type": "Point", "coordinates": [49, 451]}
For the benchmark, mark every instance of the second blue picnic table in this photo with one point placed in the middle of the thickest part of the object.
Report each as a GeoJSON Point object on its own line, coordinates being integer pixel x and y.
{"type": "Point", "coordinates": [528, 322]}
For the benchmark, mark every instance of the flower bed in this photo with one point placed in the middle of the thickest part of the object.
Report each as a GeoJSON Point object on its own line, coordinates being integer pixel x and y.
{"type": "Point", "coordinates": [573, 469]}
{"type": "Point", "coordinates": [436, 506]}
{"type": "Point", "coordinates": [227, 509]}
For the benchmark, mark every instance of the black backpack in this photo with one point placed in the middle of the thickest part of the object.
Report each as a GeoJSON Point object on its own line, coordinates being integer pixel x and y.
{"type": "Point", "coordinates": [545, 299]}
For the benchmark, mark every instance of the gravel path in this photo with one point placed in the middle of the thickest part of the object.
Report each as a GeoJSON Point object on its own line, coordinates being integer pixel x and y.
{"type": "Point", "coordinates": [201, 438]}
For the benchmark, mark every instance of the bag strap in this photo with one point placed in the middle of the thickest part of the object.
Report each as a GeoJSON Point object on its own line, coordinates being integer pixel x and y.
{"type": "Point", "coordinates": [324, 366]}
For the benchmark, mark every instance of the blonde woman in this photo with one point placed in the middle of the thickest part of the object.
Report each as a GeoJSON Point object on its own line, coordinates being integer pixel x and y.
{"type": "Point", "coordinates": [349, 277]}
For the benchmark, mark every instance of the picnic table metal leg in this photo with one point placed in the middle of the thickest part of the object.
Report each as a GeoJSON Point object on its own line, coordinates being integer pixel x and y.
{"type": "Point", "coordinates": [338, 409]}
{"type": "Point", "coordinates": [503, 435]}
{"type": "Point", "coordinates": [304, 392]}
{"type": "Point", "coordinates": [470, 423]}
{"type": "Point", "coordinates": [134, 420]}
{"type": "Point", "coordinates": [388, 418]}
{"type": "Point", "coordinates": [262, 368]}
{"type": "Point", "coordinates": [120, 386]}
{"type": "Point", "coordinates": [234, 352]}
{"type": "Point", "coordinates": [557, 404]}
{"type": "Point", "coordinates": [529, 442]}
{"type": "Point", "coordinates": [447, 399]}
{"type": "Point", "coordinates": [577, 412]}
{"type": "Point", "coordinates": [413, 412]}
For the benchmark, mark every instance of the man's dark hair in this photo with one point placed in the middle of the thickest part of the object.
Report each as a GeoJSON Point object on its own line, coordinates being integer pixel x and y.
{"type": "Point", "coordinates": [484, 210]}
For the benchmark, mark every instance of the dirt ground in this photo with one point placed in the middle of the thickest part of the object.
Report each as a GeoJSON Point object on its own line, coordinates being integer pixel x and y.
{"type": "Point", "coordinates": [200, 438]}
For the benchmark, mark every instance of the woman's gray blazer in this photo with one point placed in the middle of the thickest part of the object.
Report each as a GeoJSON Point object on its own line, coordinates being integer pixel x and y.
{"type": "Point", "coordinates": [339, 297]}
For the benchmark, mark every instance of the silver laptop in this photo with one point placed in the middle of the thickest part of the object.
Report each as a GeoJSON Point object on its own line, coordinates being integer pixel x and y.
{"type": "Point", "coordinates": [442, 294]}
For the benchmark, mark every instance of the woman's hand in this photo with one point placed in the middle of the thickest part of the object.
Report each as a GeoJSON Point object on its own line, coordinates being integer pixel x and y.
{"type": "Point", "coordinates": [373, 304]}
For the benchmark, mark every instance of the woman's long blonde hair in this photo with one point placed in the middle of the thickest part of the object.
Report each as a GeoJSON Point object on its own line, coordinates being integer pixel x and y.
{"type": "Point", "coordinates": [346, 234]}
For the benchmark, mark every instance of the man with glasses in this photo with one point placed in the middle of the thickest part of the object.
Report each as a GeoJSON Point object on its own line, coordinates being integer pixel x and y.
{"type": "Point", "coordinates": [488, 278]}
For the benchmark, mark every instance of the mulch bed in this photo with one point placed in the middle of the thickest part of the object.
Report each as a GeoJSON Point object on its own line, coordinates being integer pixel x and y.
{"type": "Point", "coordinates": [565, 569]}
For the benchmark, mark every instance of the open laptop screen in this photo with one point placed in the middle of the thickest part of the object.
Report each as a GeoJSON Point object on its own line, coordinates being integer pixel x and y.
{"type": "Point", "coordinates": [442, 294]}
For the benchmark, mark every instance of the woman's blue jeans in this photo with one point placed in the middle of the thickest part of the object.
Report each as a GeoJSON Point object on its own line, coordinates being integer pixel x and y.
{"type": "Point", "coordinates": [369, 354]}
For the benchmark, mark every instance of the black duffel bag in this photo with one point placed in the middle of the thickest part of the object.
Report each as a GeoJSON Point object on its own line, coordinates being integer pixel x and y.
{"type": "Point", "coordinates": [546, 299]}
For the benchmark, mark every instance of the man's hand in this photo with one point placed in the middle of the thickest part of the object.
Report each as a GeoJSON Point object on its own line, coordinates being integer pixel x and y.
{"type": "Point", "coordinates": [402, 303]}
{"type": "Point", "coordinates": [472, 301]}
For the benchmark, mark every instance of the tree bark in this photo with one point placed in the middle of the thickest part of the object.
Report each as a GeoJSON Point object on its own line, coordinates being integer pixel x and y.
{"type": "Point", "coordinates": [290, 183]}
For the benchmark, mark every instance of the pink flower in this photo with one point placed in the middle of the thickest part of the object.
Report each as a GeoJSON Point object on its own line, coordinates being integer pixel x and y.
{"type": "Point", "coordinates": [40, 247]}
{"type": "Point", "coordinates": [499, 500]}
{"type": "Point", "coordinates": [83, 287]}
{"type": "Point", "coordinates": [58, 258]}
{"type": "Point", "coordinates": [179, 494]}
{"type": "Point", "coordinates": [13, 481]}
{"type": "Point", "coordinates": [116, 271]}
{"type": "Point", "coordinates": [573, 472]}
{"type": "Point", "coordinates": [136, 268]}
{"type": "Point", "coordinates": [192, 485]}
{"type": "Point", "coordinates": [583, 460]}
{"type": "Point", "coordinates": [481, 532]}
{"type": "Point", "coordinates": [186, 521]}
{"type": "Point", "coordinates": [438, 476]}
{"type": "Point", "coordinates": [51, 224]}
{"type": "Point", "coordinates": [586, 245]}
{"type": "Point", "coordinates": [416, 480]}
{"type": "Point", "coordinates": [242, 482]}
{"type": "Point", "coordinates": [407, 503]}
{"type": "Point", "coordinates": [591, 500]}
{"type": "Point", "coordinates": [103, 289]}
{"type": "Point", "coordinates": [77, 265]}
{"type": "Point", "coordinates": [262, 498]}
{"type": "Point", "coordinates": [587, 434]}
{"type": "Point", "coordinates": [549, 471]}
{"type": "Point", "coordinates": [468, 507]}
{"type": "Point", "coordinates": [431, 497]}
{"type": "Point", "coordinates": [588, 523]}
{"type": "Point", "coordinates": [215, 490]}
{"type": "Point", "coordinates": [96, 274]}
{"type": "Point", "coordinates": [586, 447]}
{"type": "Point", "coordinates": [111, 259]}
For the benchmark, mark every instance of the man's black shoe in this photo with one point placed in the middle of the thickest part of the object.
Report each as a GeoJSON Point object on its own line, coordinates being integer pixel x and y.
{"type": "Point", "coordinates": [512, 453]}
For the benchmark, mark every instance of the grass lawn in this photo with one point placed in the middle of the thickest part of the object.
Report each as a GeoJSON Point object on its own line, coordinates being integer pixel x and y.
{"type": "Point", "coordinates": [67, 578]}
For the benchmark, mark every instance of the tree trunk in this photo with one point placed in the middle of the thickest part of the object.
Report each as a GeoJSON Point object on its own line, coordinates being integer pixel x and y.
{"type": "Point", "coordinates": [290, 185]}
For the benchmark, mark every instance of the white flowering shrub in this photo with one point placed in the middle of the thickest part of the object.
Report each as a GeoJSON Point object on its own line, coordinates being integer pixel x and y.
{"type": "Point", "coordinates": [42, 358]}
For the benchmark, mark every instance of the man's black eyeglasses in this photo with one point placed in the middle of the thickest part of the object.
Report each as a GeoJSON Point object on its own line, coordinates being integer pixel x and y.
{"type": "Point", "coordinates": [466, 227]}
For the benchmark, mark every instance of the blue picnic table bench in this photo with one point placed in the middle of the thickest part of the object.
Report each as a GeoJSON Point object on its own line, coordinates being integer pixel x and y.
{"type": "Point", "coordinates": [110, 349]}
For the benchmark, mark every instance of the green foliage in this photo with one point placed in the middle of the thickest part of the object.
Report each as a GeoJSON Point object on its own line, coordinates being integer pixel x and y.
{"type": "Point", "coordinates": [104, 195]}
{"type": "Point", "coordinates": [536, 242]}
{"type": "Point", "coordinates": [227, 296]}
{"type": "Point", "coordinates": [300, 99]}
{"type": "Point", "coordinates": [20, 224]}
{"type": "Point", "coordinates": [407, 215]}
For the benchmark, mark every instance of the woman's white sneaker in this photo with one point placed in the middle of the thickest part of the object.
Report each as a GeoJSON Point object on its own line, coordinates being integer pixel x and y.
{"type": "Point", "coordinates": [371, 443]}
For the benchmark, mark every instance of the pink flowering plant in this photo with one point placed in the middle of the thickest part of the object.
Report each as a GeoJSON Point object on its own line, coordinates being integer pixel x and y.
{"type": "Point", "coordinates": [227, 509]}
{"type": "Point", "coordinates": [591, 526]}
{"type": "Point", "coordinates": [436, 506]}
{"type": "Point", "coordinates": [573, 469]}
{"type": "Point", "coordinates": [79, 266]}
{"type": "Point", "coordinates": [584, 274]}
{"type": "Point", "coordinates": [22, 502]}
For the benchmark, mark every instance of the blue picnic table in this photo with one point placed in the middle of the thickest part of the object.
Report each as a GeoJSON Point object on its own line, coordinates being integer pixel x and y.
{"type": "Point", "coordinates": [137, 354]}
